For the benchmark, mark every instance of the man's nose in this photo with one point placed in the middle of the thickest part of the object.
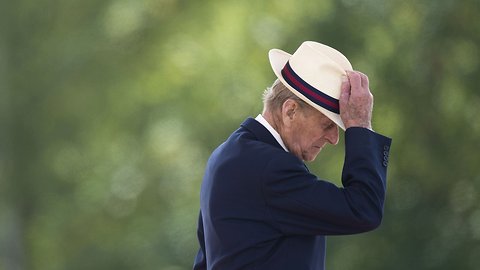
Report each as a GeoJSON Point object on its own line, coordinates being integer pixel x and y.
{"type": "Point", "coordinates": [332, 135]}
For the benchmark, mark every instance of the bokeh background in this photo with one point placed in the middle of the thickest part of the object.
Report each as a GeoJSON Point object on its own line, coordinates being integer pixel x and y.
{"type": "Point", "coordinates": [109, 110]}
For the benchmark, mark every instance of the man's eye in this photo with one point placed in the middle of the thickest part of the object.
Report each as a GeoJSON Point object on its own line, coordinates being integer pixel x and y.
{"type": "Point", "coordinates": [330, 126]}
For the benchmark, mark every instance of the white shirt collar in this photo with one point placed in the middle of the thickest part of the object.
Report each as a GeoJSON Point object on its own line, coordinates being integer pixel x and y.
{"type": "Point", "coordinates": [275, 134]}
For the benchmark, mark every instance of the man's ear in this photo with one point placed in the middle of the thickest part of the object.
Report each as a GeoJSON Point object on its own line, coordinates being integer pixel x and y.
{"type": "Point", "coordinates": [289, 111]}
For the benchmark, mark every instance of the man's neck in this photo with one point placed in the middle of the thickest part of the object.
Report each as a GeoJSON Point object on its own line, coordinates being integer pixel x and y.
{"type": "Point", "coordinates": [271, 120]}
{"type": "Point", "coordinates": [273, 128]}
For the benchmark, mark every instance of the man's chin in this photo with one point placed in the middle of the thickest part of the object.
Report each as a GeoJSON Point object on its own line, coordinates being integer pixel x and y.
{"type": "Point", "coordinates": [310, 157]}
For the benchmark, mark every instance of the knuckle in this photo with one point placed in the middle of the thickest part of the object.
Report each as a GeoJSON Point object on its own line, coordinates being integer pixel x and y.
{"type": "Point", "coordinates": [356, 75]}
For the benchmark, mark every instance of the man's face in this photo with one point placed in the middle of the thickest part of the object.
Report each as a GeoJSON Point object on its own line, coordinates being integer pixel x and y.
{"type": "Point", "coordinates": [307, 133]}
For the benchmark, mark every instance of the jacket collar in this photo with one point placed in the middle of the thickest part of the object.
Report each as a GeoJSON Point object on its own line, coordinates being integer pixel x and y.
{"type": "Point", "coordinates": [260, 132]}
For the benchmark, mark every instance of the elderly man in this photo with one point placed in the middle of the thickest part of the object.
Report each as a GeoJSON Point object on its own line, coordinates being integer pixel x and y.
{"type": "Point", "coordinates": [260, 207]}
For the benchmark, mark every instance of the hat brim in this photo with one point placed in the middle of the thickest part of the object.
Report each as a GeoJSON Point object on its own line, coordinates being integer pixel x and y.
{"type": "Point", "coordinates": [278, 59]}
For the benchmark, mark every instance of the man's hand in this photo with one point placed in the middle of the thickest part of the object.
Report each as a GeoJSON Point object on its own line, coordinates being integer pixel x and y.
{"type": "Point", "coordinates": [356, 101]}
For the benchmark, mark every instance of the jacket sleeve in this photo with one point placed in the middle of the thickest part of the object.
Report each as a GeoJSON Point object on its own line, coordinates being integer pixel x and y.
{"type": "Point", "coordinates": [299, 203]}
{"type": "Point", "coordinates": [200, 262]}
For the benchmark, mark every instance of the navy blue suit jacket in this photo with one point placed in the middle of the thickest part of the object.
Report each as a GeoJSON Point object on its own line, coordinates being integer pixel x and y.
{"type": "Point", "coordinates": [260, 207]}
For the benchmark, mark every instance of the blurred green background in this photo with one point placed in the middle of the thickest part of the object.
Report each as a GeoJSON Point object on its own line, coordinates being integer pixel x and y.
{"type": "Point", "coordinates": [109, 110]}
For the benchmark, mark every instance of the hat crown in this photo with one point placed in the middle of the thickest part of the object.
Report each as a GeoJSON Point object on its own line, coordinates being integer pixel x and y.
{"type": "Point", "coordinates": [320, 66]}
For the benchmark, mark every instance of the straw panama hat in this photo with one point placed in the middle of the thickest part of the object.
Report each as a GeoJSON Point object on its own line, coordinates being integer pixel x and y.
{"type": "Point", "coordinates": [313, 73]}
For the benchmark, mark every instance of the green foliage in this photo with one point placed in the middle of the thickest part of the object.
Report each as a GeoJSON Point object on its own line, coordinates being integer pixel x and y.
{"type": "Point", "coordinates": [110, 109]}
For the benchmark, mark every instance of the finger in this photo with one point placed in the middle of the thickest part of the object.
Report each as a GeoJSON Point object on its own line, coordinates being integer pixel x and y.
{"type": "Point", "coordinates": [364, 79]}
{"type": "Point", "coordinates": [345, 87]}
{"type": "Point", "coordinates": [355, 81]}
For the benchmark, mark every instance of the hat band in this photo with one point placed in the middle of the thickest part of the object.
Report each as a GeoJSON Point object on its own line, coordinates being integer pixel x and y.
{"type": "Point", "coordinates": [310, 92]}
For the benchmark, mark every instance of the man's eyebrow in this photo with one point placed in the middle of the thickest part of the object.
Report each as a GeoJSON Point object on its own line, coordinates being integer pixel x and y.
{"type": "Point", "coordinates": [328, 125]}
